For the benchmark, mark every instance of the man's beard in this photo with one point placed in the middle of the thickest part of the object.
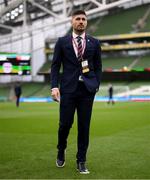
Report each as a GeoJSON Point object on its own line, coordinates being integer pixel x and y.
{"type": "Point", "coordinates": [80, 31]}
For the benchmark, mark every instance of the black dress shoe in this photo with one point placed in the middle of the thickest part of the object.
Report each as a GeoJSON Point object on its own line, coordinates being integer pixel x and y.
{"type": "Point", "coordinates": [82, 168]}
{"type": "Point", "coordinates": [60, 161]}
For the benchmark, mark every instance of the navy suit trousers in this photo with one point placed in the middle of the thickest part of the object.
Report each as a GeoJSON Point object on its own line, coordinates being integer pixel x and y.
{"type": "Point", "coordinates": [81, 101]}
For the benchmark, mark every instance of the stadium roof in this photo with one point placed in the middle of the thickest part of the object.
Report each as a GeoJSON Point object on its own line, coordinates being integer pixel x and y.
{"type": "Point", "coordinates": [23, 12]}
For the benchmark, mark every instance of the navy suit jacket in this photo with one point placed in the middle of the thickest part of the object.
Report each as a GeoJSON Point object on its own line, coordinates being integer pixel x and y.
{"type": "Point", "coordinates": [64, 55]}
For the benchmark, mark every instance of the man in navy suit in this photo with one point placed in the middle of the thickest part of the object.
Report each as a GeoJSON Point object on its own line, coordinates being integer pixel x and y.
{"type": "Point", "coordinates": [80, 57]}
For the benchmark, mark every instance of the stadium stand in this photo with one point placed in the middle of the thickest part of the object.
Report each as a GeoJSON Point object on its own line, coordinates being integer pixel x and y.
{"type": "Point", "coordinates": [122, 27]}
{"type": "Point", "coordinates": [117, 22]}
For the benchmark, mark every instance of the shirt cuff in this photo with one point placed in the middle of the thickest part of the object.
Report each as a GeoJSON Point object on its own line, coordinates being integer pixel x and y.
{"type": "Point", "coordinates": [54, 88]}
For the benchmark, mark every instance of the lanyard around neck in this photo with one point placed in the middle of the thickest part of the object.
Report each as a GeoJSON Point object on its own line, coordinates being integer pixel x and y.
{"type": "Point", "coordinates": [76, 45]}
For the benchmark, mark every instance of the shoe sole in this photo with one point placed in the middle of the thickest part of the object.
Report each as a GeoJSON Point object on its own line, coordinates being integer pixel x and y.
{"type": "Point", "coordinates": [85, 172]}
{"type": "Point", "coordinates": [88, 172]}
{"type": "Point", "coordinates": [60, 166]}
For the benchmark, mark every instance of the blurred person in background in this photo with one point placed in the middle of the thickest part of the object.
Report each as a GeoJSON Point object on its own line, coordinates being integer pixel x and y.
{"type": "Point", "coordinates": [80, 56]}
{"type": "Point", "coordinates": [18, 92]}
{"type": "Point", "coordinates": [110, 94]}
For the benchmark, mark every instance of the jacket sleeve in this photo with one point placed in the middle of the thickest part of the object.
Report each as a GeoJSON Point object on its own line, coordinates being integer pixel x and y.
{"type": "Point", "coordinates": [98, 62]}
{"type": "Point", "coordinates": [56, 64]}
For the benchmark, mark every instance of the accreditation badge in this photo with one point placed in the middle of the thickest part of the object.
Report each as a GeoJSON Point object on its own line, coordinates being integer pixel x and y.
{"type": "Point", "coordinates": [85, 66]}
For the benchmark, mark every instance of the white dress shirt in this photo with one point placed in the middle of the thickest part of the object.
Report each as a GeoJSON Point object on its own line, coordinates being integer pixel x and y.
{"type": "Point", "coordinates": [75, 43]}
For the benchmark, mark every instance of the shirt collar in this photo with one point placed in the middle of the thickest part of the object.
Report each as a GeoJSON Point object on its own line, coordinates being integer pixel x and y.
{"type": "Point", "coordinates": [74, 35]}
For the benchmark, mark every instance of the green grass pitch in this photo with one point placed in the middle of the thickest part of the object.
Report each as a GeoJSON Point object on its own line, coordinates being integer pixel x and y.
{"type": "Point", "coordinates": [119, 142]}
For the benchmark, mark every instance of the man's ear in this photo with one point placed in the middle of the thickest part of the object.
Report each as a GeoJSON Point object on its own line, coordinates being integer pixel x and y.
{"type": "Point", "coordinates": [72, 21]}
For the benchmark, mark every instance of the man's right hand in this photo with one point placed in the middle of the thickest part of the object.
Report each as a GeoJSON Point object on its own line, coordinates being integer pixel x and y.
{"type": "Point", "coordinates": [55, 94]}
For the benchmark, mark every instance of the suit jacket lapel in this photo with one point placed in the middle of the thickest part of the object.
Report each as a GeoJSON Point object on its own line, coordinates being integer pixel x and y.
{"type": "Point", "coordinates": [70, 46]}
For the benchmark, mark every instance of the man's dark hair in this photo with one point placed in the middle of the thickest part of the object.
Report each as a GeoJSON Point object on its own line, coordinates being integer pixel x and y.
{"type": "Point", "coordinates": [78, 12]}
